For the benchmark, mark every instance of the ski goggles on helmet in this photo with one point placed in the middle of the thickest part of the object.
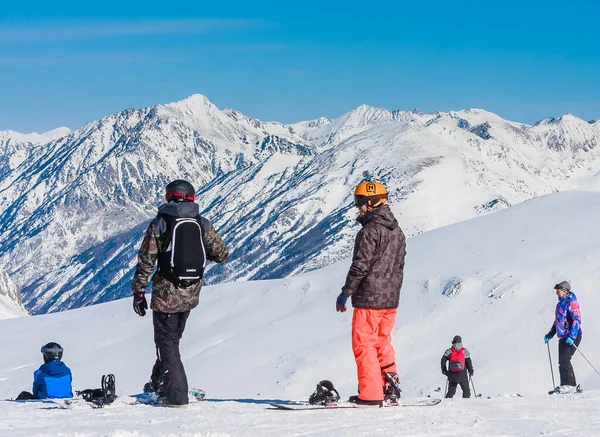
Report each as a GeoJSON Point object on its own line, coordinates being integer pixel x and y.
{"type": "Point", "coordinates": [180, 197]}
{"type": "Point", "coordinates": [360, 201]}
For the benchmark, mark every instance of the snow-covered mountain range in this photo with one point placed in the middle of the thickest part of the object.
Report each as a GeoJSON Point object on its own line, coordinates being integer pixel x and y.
{"type": "Point", "coordinates": [73, 210]}
{"type": "Point", "coordinates": [489, 279]}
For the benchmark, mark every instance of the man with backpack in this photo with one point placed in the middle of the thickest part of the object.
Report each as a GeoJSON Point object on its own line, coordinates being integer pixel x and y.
{"type": "Point", "coordinates": [457, 367]}
{"type": "Point", "coordinates": [180, 241]}
{"type": "Point", "coordinates": [374, 282]}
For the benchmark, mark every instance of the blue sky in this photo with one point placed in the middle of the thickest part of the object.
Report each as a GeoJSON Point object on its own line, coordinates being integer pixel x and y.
{"type": "Point", "coordinates": [64, 63]}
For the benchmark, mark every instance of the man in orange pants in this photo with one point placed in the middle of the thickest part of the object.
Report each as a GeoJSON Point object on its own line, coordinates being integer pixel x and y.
{"type": "Point", "coordinates": [374, 282]}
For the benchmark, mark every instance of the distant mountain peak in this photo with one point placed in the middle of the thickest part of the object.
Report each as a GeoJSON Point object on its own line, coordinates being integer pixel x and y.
{"type": "Point", "coordinates": [566, 118]}
{"type": "Point", "coordinates": [34, 137]}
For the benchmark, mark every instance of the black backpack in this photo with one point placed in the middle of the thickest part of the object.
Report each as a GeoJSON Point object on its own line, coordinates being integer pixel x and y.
{"type": "Point", "coordinates": [184, 259]}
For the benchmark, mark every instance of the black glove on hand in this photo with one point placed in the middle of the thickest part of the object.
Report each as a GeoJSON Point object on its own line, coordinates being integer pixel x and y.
{"type": "Point", "coordinates": [471, 372]}
{"type": "Point", "coordinates": [139, 304]}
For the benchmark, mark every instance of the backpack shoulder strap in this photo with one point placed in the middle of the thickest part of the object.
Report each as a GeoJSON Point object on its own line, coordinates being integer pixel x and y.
{"type": "Point", "coordinates": [164, 223]}
{"type": "Point", "coordinates": [204, 223]}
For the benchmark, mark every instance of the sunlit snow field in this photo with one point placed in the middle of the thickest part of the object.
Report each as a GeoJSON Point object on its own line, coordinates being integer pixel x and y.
{"type": "Point", "coordinates": [249, 342]}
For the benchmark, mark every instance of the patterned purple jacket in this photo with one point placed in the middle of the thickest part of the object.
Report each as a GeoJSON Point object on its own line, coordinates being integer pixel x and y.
{"type": "Point", "coordinates": [567, 318]}
{"type": "Point", "coordinates": [375, 276]}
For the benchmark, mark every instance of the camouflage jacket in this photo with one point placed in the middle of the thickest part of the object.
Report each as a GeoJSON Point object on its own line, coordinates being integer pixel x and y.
{"type": "Point", "coordinates": [166, 296]}
{"type": "Point", "coordinates": [375, 276]}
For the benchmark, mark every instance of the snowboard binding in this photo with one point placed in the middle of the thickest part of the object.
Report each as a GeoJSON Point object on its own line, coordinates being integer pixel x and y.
{"type": "Point", "coordinates": [392, 391]}
{"type": "Point", "coordinates": [109, 390]}
{"type": "Point", "coordinates": [154, 386]}
{"type": "Point", "coordinates": [101, 396]}
{"type": "Point", "coordinates": [324, 394]}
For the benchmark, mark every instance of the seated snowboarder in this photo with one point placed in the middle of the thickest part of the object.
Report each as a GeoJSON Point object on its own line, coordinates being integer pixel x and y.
{"type": "Point", "coordinates": [459, 363]}
{"type": "Point", "coordinates": [53, 379]}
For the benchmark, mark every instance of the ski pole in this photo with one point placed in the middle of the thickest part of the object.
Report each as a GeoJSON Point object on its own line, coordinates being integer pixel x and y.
{"type": "Point", "coordinates": [473, 384]}
{"type": "Point", "coordinates": [551, 371]}
{"type": "Point", "coordinates": [577, 349]}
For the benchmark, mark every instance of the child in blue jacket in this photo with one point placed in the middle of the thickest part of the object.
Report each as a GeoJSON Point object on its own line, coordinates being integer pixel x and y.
{"type": "Point", "coordinates": [53, 379]}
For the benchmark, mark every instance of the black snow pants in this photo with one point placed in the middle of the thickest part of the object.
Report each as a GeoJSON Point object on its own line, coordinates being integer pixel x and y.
{"type": "Point", "coordinates": [454, 379]}
{"type": "Point", "coordinates": [565, 352]}
{"type": "Point", "coordinates": [168, 329]}
{"type": "Point", "coordinates": [25, 396]}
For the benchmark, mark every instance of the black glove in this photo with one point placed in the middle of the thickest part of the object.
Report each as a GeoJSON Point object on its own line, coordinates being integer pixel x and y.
{"type": "Point", "coordinates": [445, 372]}
{"type": "Point", "coordinates": [471, 371]}
{"type": "Point", "coordinates": [139, 304]}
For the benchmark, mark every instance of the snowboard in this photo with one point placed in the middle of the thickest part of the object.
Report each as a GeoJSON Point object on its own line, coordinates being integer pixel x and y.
{"type": "Point", "coordinates": [295, 406]}
{"type": "Point", "coordinates": [151, 398]}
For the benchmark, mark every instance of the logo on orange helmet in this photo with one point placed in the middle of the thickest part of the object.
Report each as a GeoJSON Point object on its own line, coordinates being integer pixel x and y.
{"type": "Point", "coordinates": [370, 192]}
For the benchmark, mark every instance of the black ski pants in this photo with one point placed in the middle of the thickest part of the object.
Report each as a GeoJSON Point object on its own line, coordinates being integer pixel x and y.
{"type": "Point", "coordinates": [455, 379]}
{"type": "Point", "coordinates": [168, 330]}
{"type": "Point", "coordinates": [565, 353]}
{"type": "Point", "coordinates": [25, 396]}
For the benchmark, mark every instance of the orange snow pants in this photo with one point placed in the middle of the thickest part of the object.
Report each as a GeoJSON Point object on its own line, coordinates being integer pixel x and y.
{"type": "Point", "coordinates": [373, 350]}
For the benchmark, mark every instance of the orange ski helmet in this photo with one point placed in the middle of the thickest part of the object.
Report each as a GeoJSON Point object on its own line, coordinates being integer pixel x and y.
{"type": "Point", "coordinates": [370, 193]}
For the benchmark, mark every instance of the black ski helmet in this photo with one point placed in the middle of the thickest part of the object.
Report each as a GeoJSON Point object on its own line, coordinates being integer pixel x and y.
{"type": "Point", "coordinates": [180, 191]}
{"type": "Point", "coordinates": [52, 351]}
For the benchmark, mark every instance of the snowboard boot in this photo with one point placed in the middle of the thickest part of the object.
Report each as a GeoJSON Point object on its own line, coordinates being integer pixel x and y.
{"type": "Point", "coordinates": [391, 391]}
{"type": "Point", "coordinates": [109, 390]}
{"type": "Point", "coordinates": [358, 401]}
{"type": "Point", "coordinates": [170, 405]}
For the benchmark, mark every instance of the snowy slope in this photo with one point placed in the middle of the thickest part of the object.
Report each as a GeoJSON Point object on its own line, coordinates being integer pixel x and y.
{"type": "Point", "coordinates": [73, 213]}
{"type": "Point", "coordinates": [488, 279]}
{"type": "Point", "coordinates": [10, 298]}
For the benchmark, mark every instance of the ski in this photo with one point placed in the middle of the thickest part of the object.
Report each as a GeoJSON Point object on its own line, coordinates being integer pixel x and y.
{"type": "Point", "coordinates": [339, 405]}
{"type": "Point", "coordinates": [565, 390]}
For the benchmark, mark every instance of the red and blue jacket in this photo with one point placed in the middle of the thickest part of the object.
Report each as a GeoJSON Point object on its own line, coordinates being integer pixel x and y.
{"type": "Point", "coordinates": [567, 318]}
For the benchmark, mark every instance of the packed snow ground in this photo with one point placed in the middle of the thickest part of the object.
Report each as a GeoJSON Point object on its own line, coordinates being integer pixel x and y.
{"type": "Point", "coordinates": [488, 279]}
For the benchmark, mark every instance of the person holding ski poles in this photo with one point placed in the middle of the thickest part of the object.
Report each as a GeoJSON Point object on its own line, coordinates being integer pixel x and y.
{"type": "Point", "coordinates": [456, 362]}
{"type": "Point", "coordinates": [374, 282]}
{"type": "Point", "coordinates": [180, 241]}
{"type": "Point", "coordinates": [567, 327]}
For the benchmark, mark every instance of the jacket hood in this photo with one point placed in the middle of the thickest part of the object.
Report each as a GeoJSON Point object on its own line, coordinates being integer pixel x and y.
{"type": "Point", "coordinates": [382, 215]}
{"type": "Point", "coordinates": [55, 368]}
{"type": "Point", "coordinates": [179, 209]}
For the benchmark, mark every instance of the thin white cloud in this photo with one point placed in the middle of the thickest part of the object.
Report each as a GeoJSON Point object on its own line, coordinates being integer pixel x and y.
{"type": "Point", "coordinates": [31, 31]}
{"type": "Point", "coordinates": [94, 59]}
{"type": "Point", "coordinates": [244, 47]}
{"type": "Point", "coordinates": [137, 57]}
